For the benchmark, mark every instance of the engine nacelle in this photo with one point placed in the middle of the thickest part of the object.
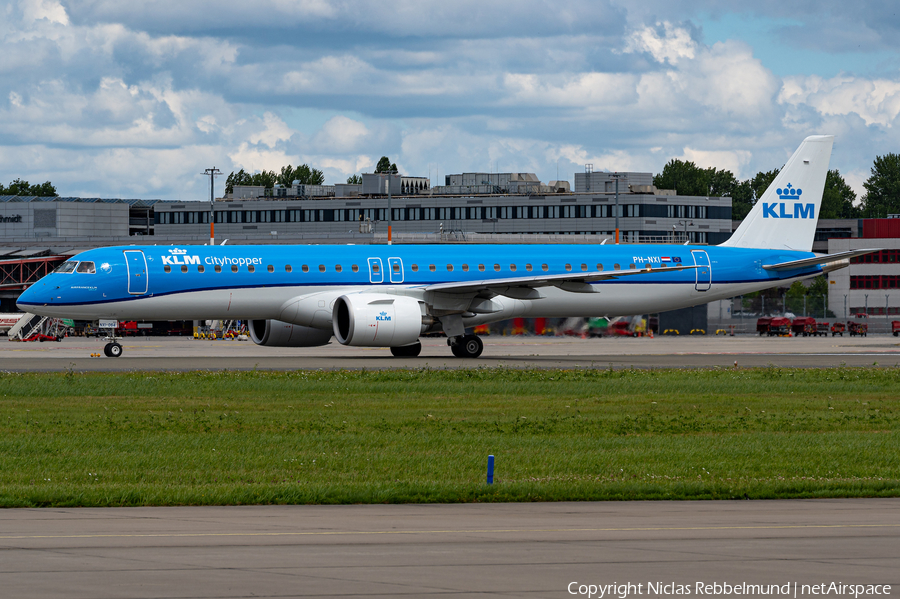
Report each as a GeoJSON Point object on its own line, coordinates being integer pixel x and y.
{"type": "Point", "coordinates": [377, 320]}
{"type": "Point", "coordinates": [275, 333]}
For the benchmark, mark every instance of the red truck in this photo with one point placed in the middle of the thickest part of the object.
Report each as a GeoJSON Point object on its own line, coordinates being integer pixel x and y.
{"type": "Point", "coordinates": [808, 327]}
{"type": "Point", "coordinates": [838, 328]}
{"type": "Point", "coordinates": [895, 327]}
{"type": "Point", "coordinates": [777, 325]}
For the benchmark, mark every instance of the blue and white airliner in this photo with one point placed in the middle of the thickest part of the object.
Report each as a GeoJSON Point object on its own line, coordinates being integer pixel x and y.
{"type": "Point", "coordinates": [389, 295]}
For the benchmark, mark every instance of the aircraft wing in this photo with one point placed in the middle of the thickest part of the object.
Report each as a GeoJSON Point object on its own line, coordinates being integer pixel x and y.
{"type": "Point", "coordinates": [818, 260]}
{"type": "Point", "coordinates": [576, 282]}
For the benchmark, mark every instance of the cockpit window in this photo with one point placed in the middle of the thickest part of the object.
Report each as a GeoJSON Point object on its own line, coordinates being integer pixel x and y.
{"type": "Point", "coordinates": [66, 267]}
{"type": "Point", "coordinates": [86, 267]}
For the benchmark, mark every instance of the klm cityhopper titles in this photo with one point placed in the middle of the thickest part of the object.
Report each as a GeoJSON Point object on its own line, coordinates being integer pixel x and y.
{"type": "Point", "coordinates": [388, 296]}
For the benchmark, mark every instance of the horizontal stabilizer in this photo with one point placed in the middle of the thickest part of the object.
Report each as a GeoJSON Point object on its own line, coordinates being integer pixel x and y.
{"type": "Point", "coordinates": [794, 264]}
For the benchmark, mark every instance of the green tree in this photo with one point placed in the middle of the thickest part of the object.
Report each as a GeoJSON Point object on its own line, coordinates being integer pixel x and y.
{"type": "Point", "coordinates": [883, 187]}
{"type": "Point", "coordinates": [761, 182]}
{"type": "Point", "coordinates": [838, 198]}
{"type": "Point", "coordinates": [354, 180]}
{"type": "Point", "coordinates": [685, 177]}
{"type": "Point", "coordinates": [23, 188]}
{"type": "Point", "coordinates": [385, 166]}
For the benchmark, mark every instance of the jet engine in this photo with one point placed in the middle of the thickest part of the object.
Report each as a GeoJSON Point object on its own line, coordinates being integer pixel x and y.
{"type": "Point", "coordinates": [275, 333]}
{"type": "Point", "coordinates": [378, 320]}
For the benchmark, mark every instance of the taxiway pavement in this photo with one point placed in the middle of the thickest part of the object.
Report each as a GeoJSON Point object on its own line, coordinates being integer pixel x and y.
{"type": "Point", "coordinates": [181, 353]}
{"type": "Point", "coordinates": [502, 550]}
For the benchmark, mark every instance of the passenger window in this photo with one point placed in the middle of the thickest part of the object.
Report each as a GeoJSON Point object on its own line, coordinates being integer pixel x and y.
{"type": "Point", "coordinates": [305, 268]}
{"type": "Point", "coordinates": [184, 268]}
{"type": "Point", "coordinates": [287, 268]}
{"type": "Point", "coordinates": [512, 267]}
{"type": "Point", "coordinates": [376, 267]}
{"type": "Point", "coordinates": [270, 268]}
{"type": "Point", "coordinates": [465, 268]}
{"type": "Point", "coordinates": [481, 267]}
{"type": "Point", "coordinates": [251, 268]}
{"type": "Point", "coordinates": [528, 267]}
{"type": "Point", "coordinates": [599, 266]}
{"type": "Point", "coordinates": [449, 268]}
{"type": "Point", "coordinates": [568, 267]}
{"type": "Point", "coordinates": [355, 268]}
{"type": "Point", "coordinates": [647, 266]}
{"type": "Point", "coordinates": [234, 268]}
{"type": "Point", "coordinates": [218, 268]}
{"type": "Point", "coordinates": [338, 268]}
{"type": "Point", "coordinates": [415, 268]}
{"type": "Point", "coordinates": [321, 268]}
{"type": "Point", "coordinates": [497, 267]}
{"type": "Point", "coordinates": [396, 267]}
{"type": "Point", "coordinates": [616, 267]}
{"type": "Point", "coordinates": [633, 267]}
{"type": "Point", "coordinates": [432, 267]}
{"type": "Point", "coordinates": [86, 268]}
{"type": "Point", "coordinates": [201, 268]}
{"type": "Point", "coordinates": [584, 268]}
{"type": "Point", "coordinates": [167, 268]}
{"type": "Point", "coordinates": [544, 267]}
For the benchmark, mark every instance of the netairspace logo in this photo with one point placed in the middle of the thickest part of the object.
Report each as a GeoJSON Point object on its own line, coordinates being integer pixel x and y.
{"type": "Point", "coordinates": [780, 210]}
{"type": "Point", "coordinates": [791, 589]}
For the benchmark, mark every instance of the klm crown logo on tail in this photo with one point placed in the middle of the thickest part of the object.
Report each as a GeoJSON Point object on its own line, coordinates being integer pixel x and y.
{"type": "Point", "coordinates": [780, 210]}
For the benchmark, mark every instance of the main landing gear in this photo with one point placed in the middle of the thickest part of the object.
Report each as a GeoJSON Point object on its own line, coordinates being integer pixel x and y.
{"type": "Point", "coordinates": [466, 346]}
{"type": "Point", "coordinates": [112, 350]}
{"type": "Point", "coordinates": [407, 351]}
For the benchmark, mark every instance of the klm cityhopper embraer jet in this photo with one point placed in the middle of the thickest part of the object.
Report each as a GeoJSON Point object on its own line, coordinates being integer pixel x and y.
{"type": "Point", "coordinates": [387, 296]}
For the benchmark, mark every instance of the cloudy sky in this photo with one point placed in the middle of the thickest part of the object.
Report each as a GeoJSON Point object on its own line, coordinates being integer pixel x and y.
{"type": "Point", "coordinates": [134, 99]}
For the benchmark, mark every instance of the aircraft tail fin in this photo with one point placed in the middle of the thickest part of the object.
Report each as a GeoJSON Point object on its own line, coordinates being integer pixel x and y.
{"type": "Point", "coordinates": [785, 217]}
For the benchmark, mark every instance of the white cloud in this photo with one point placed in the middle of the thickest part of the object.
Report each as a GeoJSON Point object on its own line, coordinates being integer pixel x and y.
{"type": "Point", "coordinates": [341, 135]}
{"type": "Point", "coordinates": [876, 101]}
{"type": "Point", "coordinates": [51, 10]}
{"type": "Point", "coordinates": [669, 45]}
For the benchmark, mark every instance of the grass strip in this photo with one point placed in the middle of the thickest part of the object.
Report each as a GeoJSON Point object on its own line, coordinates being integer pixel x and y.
{"type": "Point", "coordinates": [229, 438]}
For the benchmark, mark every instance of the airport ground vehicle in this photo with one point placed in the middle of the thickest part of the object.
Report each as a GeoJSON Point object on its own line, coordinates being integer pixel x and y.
{"type": "Point", "coordinates": [838, 328]}
{"type": "Point", "coordinates": [895, 327]}
{"type": "Point", "coordinates": [807, 326]}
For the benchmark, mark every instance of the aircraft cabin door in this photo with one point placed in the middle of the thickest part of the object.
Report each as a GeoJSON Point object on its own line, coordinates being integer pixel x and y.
{"type": "Point", "coordinates": [703, 270]}
{"type": "Point", "coordinates": [136, 264]}
{"type": "Point", "coordinates": [375, 273]}
{"type": "Point", "coordinates": [396, 266]}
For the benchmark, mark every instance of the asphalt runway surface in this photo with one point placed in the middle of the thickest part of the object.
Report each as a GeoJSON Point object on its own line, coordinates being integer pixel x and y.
{"type": "Point", "coordinates": [482, 550]}
{"type": "Point", "coordinates": [182, 353]}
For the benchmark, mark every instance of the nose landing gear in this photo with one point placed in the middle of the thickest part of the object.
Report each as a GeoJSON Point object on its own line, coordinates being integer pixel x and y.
{"type": "Point", "coordinates": [466, 346]}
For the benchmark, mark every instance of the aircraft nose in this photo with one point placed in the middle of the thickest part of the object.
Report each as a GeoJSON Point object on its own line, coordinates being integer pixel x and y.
{"type": "Point", "coordinates": [35, 295]}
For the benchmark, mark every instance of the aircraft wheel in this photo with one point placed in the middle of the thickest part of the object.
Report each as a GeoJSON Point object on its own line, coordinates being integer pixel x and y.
{"type": "Point", "coordinates": [113, 350]}
{"type": "Point", "coordinates": [470, 346]}
{"type": "Point", "coordinates": [407, 351]}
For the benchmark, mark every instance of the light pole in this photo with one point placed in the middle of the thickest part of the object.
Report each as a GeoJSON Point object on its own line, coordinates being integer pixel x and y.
{"type": "Point", "coordinates": [685, 224]}
{"type": "Point", "coordinates": [213, 173]}
{"type": "Point", "coordinates": [617, 176]}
